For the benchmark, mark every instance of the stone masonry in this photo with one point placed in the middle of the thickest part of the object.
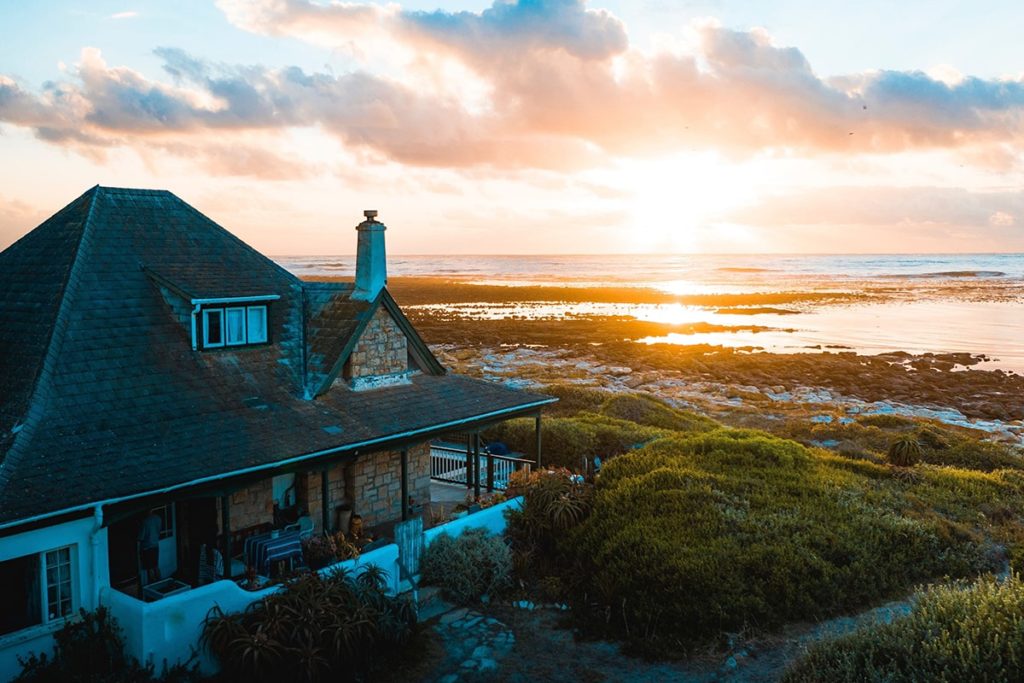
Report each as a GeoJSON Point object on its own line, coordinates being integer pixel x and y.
{"type": "Point", "coordinates": [250, 506]}
{"type": "Point", "coordinates": [372, 485]}
{"type": "Point", "coordinates": [376, 483]}
{"type": "Point", "coordinates": [382, 349]}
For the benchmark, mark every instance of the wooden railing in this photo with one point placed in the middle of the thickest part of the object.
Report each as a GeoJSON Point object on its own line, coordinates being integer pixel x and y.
{"type": "Point", "coordinates": [448, 463]}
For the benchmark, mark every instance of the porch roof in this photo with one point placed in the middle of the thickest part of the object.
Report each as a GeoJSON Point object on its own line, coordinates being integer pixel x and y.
{"type": "Point", "coordinates": [138, 458]}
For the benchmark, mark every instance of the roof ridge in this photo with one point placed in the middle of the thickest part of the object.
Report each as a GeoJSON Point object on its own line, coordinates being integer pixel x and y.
{"type": "Point", "coordinates": [33, 413]}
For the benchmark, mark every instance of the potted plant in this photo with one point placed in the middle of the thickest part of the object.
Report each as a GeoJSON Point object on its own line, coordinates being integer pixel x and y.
{"type": "Point", "coordinates": [319, 551]}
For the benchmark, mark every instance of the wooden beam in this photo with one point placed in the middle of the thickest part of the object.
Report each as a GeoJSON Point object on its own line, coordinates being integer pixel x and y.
{"type": "Point", "coordinates": [405, 484]}
{"type": "Point", "coordinates": [538, 435]}
{"type": "Point", "coordinates": [225, 527]}
{"type": "Point", "coordinates": [325, 502]}
{"type": "Point", "coordinates": [490, 472]}
{"type": "Point", "coordinates": [476, 466]}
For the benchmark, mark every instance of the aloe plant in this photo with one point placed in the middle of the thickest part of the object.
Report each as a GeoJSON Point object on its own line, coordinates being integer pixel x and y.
{"type": "Point", "coordinates": [904, 451]}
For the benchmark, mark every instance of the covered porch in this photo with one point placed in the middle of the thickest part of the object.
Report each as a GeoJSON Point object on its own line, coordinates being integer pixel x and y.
{"type": "Point", "coordinates": [256, 529]}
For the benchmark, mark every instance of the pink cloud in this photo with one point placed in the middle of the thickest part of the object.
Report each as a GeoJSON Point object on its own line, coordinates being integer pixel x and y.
{"type": "Point", "coordinates": [565, 90]}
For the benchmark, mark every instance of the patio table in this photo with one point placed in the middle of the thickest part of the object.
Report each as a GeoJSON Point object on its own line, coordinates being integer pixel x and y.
{"type": "Point", "coordinates": [264, 550]}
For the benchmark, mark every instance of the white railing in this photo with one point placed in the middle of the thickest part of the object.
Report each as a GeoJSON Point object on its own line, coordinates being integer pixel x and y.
{"type": "Point", "coordinates": [448, 463]}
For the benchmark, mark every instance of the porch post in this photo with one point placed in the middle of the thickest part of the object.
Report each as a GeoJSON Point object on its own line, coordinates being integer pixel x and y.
{"type": "Point", "coordinates": [325, 503]}
{"type": "Point", "coordinates": [405, 484]}
{"type": "Point", "coordinates": [537, 430]}
{"type": "Point", "coordinates": [476, 466]}
{"type": "Point", "coordinates": [225, 525]}
{"type": "Point", "coordinates": [469, 461]}
{"type": "Point", "coordinates": [490, 472]}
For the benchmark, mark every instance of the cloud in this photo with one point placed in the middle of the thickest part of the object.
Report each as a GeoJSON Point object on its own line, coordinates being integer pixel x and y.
{"type": "Point", "coordinates": [16, 218]}
{"type": "Point", "coordinates": [885, 207]}
{"type": "Point", "coordinates": [561, 88]}
{"type": "Point", "coordinates": [124, 15]}
{"type": "Point", "coordinates": [1002, 219]}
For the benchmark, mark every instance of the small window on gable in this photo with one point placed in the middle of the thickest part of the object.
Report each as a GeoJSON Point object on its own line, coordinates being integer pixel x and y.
{"type": "Point", "coordinates": [257, 324]}
{"type": "Point", "coordinates": [213, 327]}
{"type": "Point", "coordinates": [234, 326]}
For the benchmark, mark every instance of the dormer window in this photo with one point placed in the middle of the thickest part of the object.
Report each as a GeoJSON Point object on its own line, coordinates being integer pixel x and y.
{"type": "Point", "coordinates": [234, 326]}
{"type": "Point", "coordinates": [231, 321]}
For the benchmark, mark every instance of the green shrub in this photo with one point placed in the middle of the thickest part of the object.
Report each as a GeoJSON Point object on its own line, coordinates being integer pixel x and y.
{"type": "Point", "coordinates": [90, 649]}
{"type": "Point", "coordinates": [337, 627]}
{"type": "Point", "coordinates": [886, 421]}
{"type": "Point", "coordinates": [904, 452]}
{"type": "Point", "coordinates": [554, 502]}
{"type": "Point", "coordinates": [695, 535]}
{"type": "Point", "coordinates": [963, 632]}
{"type": "Point", "coordinates": [468, 566]}
{"type": "Point", "coordinates": [650, 411]}
{"type": "Point", "coordinates": [974, 454]}
{"type": "Point", "coordinates": [574, 399]}
{"type": "Point", "coordinates": [568, 441]}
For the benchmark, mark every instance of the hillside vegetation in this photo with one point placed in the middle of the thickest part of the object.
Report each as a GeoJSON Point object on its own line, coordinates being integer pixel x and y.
{"type": "Point", "coordinates": [694, 530]}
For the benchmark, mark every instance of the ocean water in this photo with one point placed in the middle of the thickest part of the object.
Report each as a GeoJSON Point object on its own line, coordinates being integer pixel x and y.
{"type": "Point", "coordinates": [917, 303]}
{"type": "Point", "coordinates": [661, 270]}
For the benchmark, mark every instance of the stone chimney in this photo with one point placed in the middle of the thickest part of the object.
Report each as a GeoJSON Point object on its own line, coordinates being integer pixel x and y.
{"type": "Point", "coordinates": [371, 260]}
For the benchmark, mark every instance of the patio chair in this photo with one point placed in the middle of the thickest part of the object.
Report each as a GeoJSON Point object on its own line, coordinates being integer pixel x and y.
{"type": "Point", "coordinates": [304, 526]}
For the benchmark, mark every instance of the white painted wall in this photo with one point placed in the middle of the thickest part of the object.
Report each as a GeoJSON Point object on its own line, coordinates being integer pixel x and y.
{"type": "Point", "coordinates": [90, 572]}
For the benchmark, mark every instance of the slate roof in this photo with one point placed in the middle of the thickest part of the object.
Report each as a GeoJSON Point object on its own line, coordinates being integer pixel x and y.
{"type": "Point", "coordinates": [103, 397]}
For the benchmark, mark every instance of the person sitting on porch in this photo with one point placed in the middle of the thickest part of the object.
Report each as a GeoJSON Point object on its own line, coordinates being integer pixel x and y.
{"type": "Point", "coordinates": [149, 546]}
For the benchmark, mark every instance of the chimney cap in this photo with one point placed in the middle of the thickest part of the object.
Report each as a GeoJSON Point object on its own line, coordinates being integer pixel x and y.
{"type": "Point", "coordinates": [370, 214]}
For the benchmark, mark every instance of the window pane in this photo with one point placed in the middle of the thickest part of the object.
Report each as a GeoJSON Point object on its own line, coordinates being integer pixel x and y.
{"type": "Point", "coordinates": [212, 329]}
{"type": "Point", "coordinates": [257, 324]}
{"type": "Point", "coordinates": [234, 326]}
{"type": "Point", "coordinates": [20, 597]}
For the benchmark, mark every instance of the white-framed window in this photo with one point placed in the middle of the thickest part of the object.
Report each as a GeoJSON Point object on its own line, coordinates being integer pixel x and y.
{"type": "Point", "coordinates": [59, 599]}
{"type": "Point", "coordinates": [166, 515]}
{"type": "Point", "coordinates": [38, 589]}
{"type": "Point", "coordinates": [234, 326]}
{"type": "Point", "coordinates": [257, 324]}
{"type": "Point", "coordinates": [213, 327]}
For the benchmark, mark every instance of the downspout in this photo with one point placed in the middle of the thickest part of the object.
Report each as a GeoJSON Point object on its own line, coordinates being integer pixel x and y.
{"type": "Point", "coordinates": [195, 313]}
{"type": "Point", "coordinates": [94, 542]}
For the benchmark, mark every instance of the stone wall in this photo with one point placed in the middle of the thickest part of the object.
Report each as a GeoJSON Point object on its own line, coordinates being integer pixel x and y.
{"type": "Point", "coordinates": [308, 493]}
{"type": "Point", "coordinates": [382, 349]}
{"type": "Point", "coordinates": [372, 485]}
{"type": "Point", "coordinates": [250, 506]}
{"type": "Point", "coordinates": [376, 483]}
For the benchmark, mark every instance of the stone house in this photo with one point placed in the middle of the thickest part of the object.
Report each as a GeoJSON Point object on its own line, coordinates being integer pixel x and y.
{"type": "Point", "coordinates": [151, 363]}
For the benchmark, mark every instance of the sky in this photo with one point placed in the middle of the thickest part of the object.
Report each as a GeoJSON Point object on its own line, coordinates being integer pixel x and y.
{"type": "Point", "coordinates": [529, 127]}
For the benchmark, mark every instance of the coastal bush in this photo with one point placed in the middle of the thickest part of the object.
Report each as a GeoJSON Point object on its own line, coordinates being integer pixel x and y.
{"type": "Point", "coordinates": [554, 503]}
{"type": "Point", "coordinates": [701, 534]}
{"type": "Point", "coordinates": [334, 627]}
{"type": "Point", "coordinates": [91, 649]}
{"type": "Point", "coordinates": [962, 632]}
{"type": "Point", "coordinates": [570, 441]}
{"type": "Point", "coordinates": [646, 410]}
{"type": "Point", "coordinates": [574, 399]}
{"type": "Point", "coordinates": [886, 421]}
{"type": "Point", "coordinates": [468, 566]}
{"type": "Point", "coordinates": [974, 454]}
